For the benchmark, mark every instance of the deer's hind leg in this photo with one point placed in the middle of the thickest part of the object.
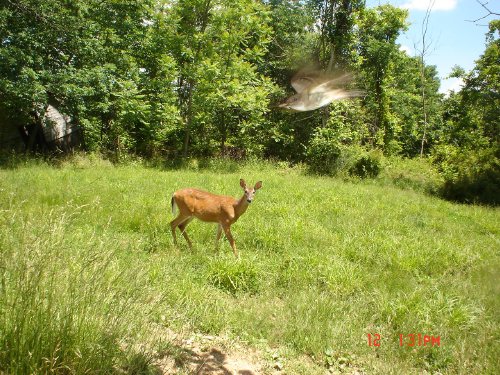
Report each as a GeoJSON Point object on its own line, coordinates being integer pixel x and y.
{"type": "Point", "coordinates": [181, 222]}
{"type": "Point", "coordinates": [182, 226]}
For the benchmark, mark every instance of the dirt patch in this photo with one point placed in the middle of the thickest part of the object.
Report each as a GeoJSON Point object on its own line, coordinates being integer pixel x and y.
{"type": "Point", "coordinates": [195, 353]}
{"type": "Point", "coordinates": [205, 355]}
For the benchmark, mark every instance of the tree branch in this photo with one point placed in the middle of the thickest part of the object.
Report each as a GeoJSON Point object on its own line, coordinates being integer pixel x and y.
{"type": "Point", "coordinates": [490, 12]}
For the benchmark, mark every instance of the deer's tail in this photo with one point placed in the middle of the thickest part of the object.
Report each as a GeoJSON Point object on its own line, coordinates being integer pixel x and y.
{"type": "Point", "coordinates": [173, 204]}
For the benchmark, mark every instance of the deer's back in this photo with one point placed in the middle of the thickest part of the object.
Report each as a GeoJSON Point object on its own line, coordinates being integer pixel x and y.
{"type": "Point", "coordinates": [204, 205]}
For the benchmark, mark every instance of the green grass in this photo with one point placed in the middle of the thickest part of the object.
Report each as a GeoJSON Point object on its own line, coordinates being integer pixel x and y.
{"type": "Point", "coordinates": [89, 277]}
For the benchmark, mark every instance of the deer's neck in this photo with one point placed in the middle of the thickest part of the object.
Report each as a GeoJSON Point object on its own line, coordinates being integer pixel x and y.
{"type": "Point", "coordinates": [240, 207]}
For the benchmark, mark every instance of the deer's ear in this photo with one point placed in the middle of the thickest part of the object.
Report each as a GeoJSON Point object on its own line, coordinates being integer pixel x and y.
{"type": "Point", "coordinates": [243, 184]}
{"type": "Point", "coordinates": [258, 185]}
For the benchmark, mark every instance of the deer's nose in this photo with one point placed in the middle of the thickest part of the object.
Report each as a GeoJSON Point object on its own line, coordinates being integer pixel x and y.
{"type": "Point", "coordinates": [249, 200]}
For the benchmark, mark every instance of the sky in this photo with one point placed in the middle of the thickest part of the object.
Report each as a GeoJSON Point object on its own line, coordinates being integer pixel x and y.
{"type": "Point", "coordinates": [454, 39]}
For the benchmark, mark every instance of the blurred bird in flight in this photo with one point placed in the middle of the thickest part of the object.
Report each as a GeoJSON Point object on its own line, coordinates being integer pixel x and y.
{"type": "Point", "coordinates": [316, 89]}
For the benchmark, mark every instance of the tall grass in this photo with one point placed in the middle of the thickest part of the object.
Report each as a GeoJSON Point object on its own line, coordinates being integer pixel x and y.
{"type": "Point", "coordinates": [66, 303]}
{"type": "Point", "coordinates": [88, 268]}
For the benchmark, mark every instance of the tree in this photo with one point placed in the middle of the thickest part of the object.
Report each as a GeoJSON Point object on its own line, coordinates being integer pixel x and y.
{"type": "Point", "coordinates": [233, 94]}
{"type": "Point", "coordinates": [336, 21]}
{"type": "Point", "coordinates": [489, 12]}
{"type": "Point", "coordinates": [80, 55]}
{"type": "Point", "coordinates": [292, 39]}
{"type": "Point", "coordinates": [377, 33]}
{"type": "Point", "coordinates": [292, 44]}
{"type": "Point", "coordinates": [469, 156]}
{"type": "Point", "coordinates": [481, 92]}
{"type": "Point", "coordinates": [422, 54]}
{"type": "Point", "coordinates": [158, 72]}
{"type": "Point", "coordinates": [218, 48]}
{"type": "Point", "coordinates": [405, 88]}
{"type": "Point", "coordinates": [474, 117]}
{"type": "Point", "coordinates": [193, 18]}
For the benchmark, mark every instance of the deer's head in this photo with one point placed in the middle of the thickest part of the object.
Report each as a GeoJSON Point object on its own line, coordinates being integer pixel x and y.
{"type": "Point", "coordinates": [249, 191]}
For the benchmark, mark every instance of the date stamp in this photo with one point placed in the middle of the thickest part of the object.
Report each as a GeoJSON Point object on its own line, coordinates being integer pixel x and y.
{"type": "Point", "coordinates": [408, 340]}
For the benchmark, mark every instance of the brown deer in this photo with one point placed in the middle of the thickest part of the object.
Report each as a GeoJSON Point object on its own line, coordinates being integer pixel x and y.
{"type": "Point", "coordinates": [210, 208]}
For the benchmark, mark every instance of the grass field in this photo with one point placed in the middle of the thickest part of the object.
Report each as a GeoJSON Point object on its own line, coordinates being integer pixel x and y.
{"type": "Point", "coordinates": [91, 282]}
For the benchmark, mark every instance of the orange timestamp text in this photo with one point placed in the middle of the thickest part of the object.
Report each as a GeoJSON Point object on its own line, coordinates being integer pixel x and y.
{"type": "Point", "coordinates": [410, 340]}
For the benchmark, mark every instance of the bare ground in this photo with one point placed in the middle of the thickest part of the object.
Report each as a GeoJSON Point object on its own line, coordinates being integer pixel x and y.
{"type": "Point", "coordinates": [209, 355]}
{"type": "Point", "coordinates": [220, 355]}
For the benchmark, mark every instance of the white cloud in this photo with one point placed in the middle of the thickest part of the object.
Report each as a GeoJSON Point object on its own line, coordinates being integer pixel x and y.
{"type": "Point", "coordinates": [424, 4]}
{"type": "Point", "coordinates": [408, 50]}
{"type": "Point", "coordinates": [451, 84]}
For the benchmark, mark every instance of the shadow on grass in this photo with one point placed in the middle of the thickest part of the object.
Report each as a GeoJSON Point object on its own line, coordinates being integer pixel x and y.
{"type": "Point", "coordinates": [213, 361]}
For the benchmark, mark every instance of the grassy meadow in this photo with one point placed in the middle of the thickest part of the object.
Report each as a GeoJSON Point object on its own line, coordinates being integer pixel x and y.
{"type": "Point", "coordinates": [90, 281]}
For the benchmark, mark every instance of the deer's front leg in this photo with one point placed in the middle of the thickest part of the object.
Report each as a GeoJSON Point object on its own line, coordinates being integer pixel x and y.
{"type": "Point", "coordinates": [219, 234]}
{"type": "Point", "coordinates": [229, 236]}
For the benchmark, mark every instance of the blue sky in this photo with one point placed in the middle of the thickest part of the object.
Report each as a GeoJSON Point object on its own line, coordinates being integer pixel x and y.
{"type": "Point", "coordinates": [454, 40]}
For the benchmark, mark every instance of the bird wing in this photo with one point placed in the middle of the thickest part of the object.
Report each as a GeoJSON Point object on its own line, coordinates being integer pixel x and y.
{"type": "Point", "coordinates": [316, 89]}
{"type": "Point", "coordinates": [306, 78]}
{"type": "Point", "coordinates": [321, 98]}
{"type": "Point", "coordinates": [330, 82]}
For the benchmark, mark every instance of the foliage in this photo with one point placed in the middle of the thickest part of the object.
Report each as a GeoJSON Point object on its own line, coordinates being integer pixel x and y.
{"type": "Point", "coordinates": [405, 104]}
{"type": "Point", "coordinates": [326, 156]}
{"type": "Point", "coordinates": [200, 78]}
{"type": "Point", "coordinates": [481, 93]}
{"type": "Point", "coordinates": [471, 176]}
{"type": "Point", "coordinates": [378, 31]}
{"type": "Point", "coordinates": [368, 165]}
{"type": "Point", "coordinates": [217, 47]}
{"type": "Point", "coordinates": [292, 41]}
{"type": "Point", "coordinates": [334, 150]}
{"type": "Point", "coordinates": [417, 174]}
{"type": "Point", "coordinates": [194, 76]}
{"type": "Point", "coordinates": [324, 152]}
{"type": "Point", "coordinates": [469, 153]}
{"type": "Point", "coordinates": [336, 36]}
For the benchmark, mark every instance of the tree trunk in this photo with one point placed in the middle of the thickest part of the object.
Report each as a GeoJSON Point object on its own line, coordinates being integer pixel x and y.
{"type": "Point", "coordinates": [187, 121]}
{"type": "Point", "coordinates": [424, 110]}
{"type": "Point", "coordinates": [223, 135]}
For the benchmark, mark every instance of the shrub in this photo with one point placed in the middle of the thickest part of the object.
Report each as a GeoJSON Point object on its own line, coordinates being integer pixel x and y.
{"type": "Point", "coordinates": [368, 165]}
{"type": "Point", "coordinates": [470, 176]}
{"type": "Point", "coordinates": [327, 156]}
{"type": "Point", "coordinates": [416, 174]}
{"type": "Point", "coordinates": [324, 152]}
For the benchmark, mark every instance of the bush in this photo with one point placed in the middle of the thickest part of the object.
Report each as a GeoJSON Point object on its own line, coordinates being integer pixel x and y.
{"type": "Point", "coordinates": [416, 174]}
{"type": "Point", "coordinates": [470, 176]}
{"type": "Point", "coordinates": [327, 156]}
{"type": "Point", "coordinates": [324, 152]}
{"type": "Point", "coordinates": [368, 165]}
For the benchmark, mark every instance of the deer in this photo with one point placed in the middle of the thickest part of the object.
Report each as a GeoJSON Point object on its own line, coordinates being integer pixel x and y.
{"type": "Point", "coordinates": [211, 208]}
